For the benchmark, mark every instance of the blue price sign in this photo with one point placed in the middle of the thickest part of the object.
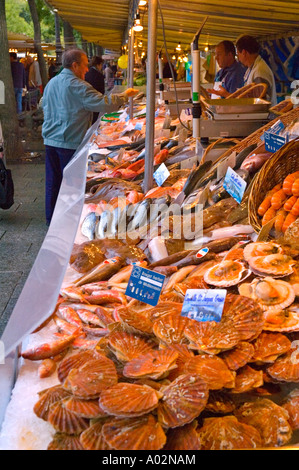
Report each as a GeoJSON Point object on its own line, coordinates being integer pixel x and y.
{"type": "Point", "coordinates": [204, 304]}
{"type": "Point", "coordinates": [234, 185]}
{"type": "Point", "coordinates": [145, 285]}
{"type": "Point", "coordinates": [274, 142]}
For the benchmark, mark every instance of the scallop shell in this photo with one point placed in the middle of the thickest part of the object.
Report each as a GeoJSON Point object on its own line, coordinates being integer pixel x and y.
{"type": "Point", "coordinates": [211, 337]}
{"type": "Point", "coordinates": [285, 368]}
{"type": "Point", "coordinates": [170, 329]}
{"type": "Point", "coordinates": [142, 433]}
{"type": "Point", "coordinates": [212, 370]}
{"type": "Point", "coordinates": [127, 346]}
{"type": "Point", "coordinates": [129, 400]}
{"type": "Point", "coordinates": [271, 294]}
{"type": "Point", "coordinates": [291, 405]}
{"type": "Point", "coordinates": [92, 438]}
{"type": "Point", "coordinates": [65, 442]}
{"type": "Point", "coordinates": [65, 421]}
{"type": "Point", "coordinates": [247, 379]}
{"type": "Point", "coordinates": [269, 346]}
{"type": "Point", "coordinates": [136, 322]}
{"type": "Point", "coordinates": [183, 438]}
{"type": "Point", "coordinates": [154, 364]}
{"type": "Point", "coordinates": [227, 433]}
{"type": "Point", "coordinates": [88, 409]}
{"type": "Point", "coordinates": [269, 419]}
{"type": "Point", "coordinates": [47, 398]}
{"type": "Point", "coordinates": [286, 320]}
{"type": "Point", "coordinates": [183, 401]}
{"type": "Point", "coordinates": [239, 356]}
{"type": "Point", "coordinates": [184, 354]}
{"type": "Point", "coordinates": [278, 265]}
{"type": "Point", "coordinates": [191, 283]}
{"type": "Point", "coordinates": [73, 362]}
{"type": "Point", "coordinates": [243, 314]}
{"type": "Point", "coordinates": [220, 403]}
{"type": "Point", "coordinates": [91, 378]}
{"type": "Point", "coordinates": [227, 273]}
{"type": "Point", "coordinates": [255, 249]}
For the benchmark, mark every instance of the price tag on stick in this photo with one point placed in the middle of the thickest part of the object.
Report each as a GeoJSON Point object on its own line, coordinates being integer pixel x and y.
{"type": "Point", "coordinates": [145, 285]}
{"type": "Point", "coordinates": [204, 305]}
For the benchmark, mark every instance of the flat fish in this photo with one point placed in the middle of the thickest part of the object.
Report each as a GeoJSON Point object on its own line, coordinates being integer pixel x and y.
{"type": "Point", "coordinates": [89, 225]}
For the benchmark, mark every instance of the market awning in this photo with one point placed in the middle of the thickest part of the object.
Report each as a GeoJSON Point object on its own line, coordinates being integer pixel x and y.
{"type": "Point", "coordinates": [22, 42]}
{"type": "Point", "coordinates": [105, 22]}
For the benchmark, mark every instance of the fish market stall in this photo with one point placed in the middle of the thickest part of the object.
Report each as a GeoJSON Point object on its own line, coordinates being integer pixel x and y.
{"type": "Point", "coordinates": [116, 333]}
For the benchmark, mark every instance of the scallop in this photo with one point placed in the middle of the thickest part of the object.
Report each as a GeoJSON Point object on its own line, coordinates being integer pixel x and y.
{"type": "Point", "coordinates": [72, 362]}
{"type": "Point", "coordinates": [226, 274]}
{"type": "Point", "coordinates": [291, 405]}
{"type": "Point", "coordinates": [142, 433]}
{"type": "Point", "coordinates": [65, 421]}
{"type": "Point", "coordinates": [91, 378]}
{"type": "Point", "coordinates": [239, 356]}
{"type": "Point", "coordinates": [220, 403]}
{"type": "Point", "coordinates": [92, 438]}
{"type": "Point", "coordinates": [88, 409]}
{"type": "Point", "coordinates": [271, 294]}
{"type": "Point", "coordinates": [63, 441]}
{"type": "Point", "coordinates": [248, 379]}
{"type": "Point", "coordinates": [127, 346]}
{"type": "Point", "coordinates": [255, 249]}
{"type": "Point", "coordinates": [129, 400]}
{"type": "Point", "coordinates": [278, 265]}
{"type": "Point", "coordinates": [269, 346]}
{"type": "Point", "coordinates": [136, 322]}
{"type": "Point", "coordinates": [285, 368]}
{"type": "Point", "coordinates": [47, 398]}
{"type": "Point", "coordinates": [270, 419]}
{"type": "Point", "coordinates": [211, 337]}
{"type": "Point", "coordinates": [153, 365]}
{"type": "Point", "coordinates": [183, 401]}
{"type": "Point", "coordinates": [212, 370]}
{"type": "Point", "coordinates": [227, 433]}
{"type": "Point", "coordinates": [170, 329]}
{"type": "Point", "coordinates": [183, 438]}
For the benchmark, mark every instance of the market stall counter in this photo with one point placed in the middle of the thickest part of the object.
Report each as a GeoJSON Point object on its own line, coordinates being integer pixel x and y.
{"type": "Point", "coordinates": [160, 317]}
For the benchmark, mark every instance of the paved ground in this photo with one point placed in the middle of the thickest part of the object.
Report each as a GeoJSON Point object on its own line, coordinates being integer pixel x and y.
{"type": "Point", "coordinates": [22, 228]}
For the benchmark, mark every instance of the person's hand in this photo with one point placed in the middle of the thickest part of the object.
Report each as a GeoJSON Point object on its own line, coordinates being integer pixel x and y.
{"type": "Point", "coordinates": [221, 92]}
{"type": "Point", "coordinates": [131, 92]}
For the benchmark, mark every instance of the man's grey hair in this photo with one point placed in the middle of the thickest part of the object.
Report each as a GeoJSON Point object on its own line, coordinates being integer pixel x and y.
{"type": "Point", "coordinates": [70, 56]}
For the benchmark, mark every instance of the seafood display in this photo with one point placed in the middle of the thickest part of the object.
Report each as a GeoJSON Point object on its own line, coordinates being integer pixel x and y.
{"type": "Point", "coordinates": [281, 204]}
{"type": "Point", "coordinates": [117, 373]}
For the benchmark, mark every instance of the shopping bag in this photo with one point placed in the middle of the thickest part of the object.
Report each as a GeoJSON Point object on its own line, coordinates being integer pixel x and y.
{"type": "Point", "coordinates": [6, 187]}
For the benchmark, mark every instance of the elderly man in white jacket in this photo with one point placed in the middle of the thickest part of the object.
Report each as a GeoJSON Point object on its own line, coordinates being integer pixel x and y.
{"type": "Point", "coordinates": [258, 71]}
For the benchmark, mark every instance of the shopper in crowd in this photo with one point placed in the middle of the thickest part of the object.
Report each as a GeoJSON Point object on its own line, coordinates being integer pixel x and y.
{"type": "Point", "coordinates": [109, 77]}
{"type": "Point", "coordinates": [167, 70]}
{"type": "Point", "coordinates": [34, 76]}
{"type": "Point", "coordinates": [96, 78]}
{"type": "Point", "coordinates": [230, 77]}
{"type": "Point", "coordinates": [19, 79]}
{"type": "Point", "coordinates": [258, 71]}
{"type": "Point", "coordinates": [68, 104]}
{"type": "Point", "coordinates": [52, 69]}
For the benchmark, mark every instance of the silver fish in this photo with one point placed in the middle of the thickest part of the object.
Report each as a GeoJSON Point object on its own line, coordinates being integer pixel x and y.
{"type": "Point", "coordinates": [89, 225]}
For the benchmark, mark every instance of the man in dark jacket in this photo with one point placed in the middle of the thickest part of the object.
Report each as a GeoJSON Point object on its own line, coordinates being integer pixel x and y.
{"type": "Point", "coordinates": [19, 79]}
{"type": "Point", "coordinates": [96, 78]}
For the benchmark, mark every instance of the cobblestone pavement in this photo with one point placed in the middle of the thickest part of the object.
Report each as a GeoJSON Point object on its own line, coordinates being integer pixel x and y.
{"type": "Point", "coordinates": [22, 231]}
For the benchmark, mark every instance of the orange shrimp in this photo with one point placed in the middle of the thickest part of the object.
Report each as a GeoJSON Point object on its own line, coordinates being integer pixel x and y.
{"type": "Point", "coordinates": [279, 220]}
{"type": "Point", "coordinates": [295, 188]}
{"type": "Point", "coordinates": [278, 199]}
{"type": "Point", "coordinates": [295, 209]}
{"type": "Point", "coordinates": [289, 204]}
{"type": "Point", "coordinates": [265, 205]}
{"type": "Point", "coordinates": [290, 218]}
{"type": "Point", "coordinates": [288, 183]}
{"type": "Point", "coordinates": [269, 215]}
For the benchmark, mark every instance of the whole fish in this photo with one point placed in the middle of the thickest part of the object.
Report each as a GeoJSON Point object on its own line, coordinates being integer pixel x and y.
{"type": "Point", "coordinates": [111, 189]}
{"type": "Point", "coordinates": [48, 350]}
{"type": "Point", "coordinates": [102, 272]}
{"type": "Point", "coordinates": [195, 177]}
{"type": "Point", "coordinates": [103, 226]}
{"type": "Point", "coordinates": [89, 225]}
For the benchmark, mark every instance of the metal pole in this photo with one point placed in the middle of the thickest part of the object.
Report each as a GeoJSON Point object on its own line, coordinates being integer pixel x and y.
{"type": "Point", "coordinates": [150, 95]}
{"type": "Point", "coordinates": [161, 85]}
{"type": "Point", "coordinates": [131, 82]}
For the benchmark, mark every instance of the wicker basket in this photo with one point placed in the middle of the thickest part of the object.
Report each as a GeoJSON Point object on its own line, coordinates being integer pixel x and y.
{"type": "Point", "coordinates": [274, 171]}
